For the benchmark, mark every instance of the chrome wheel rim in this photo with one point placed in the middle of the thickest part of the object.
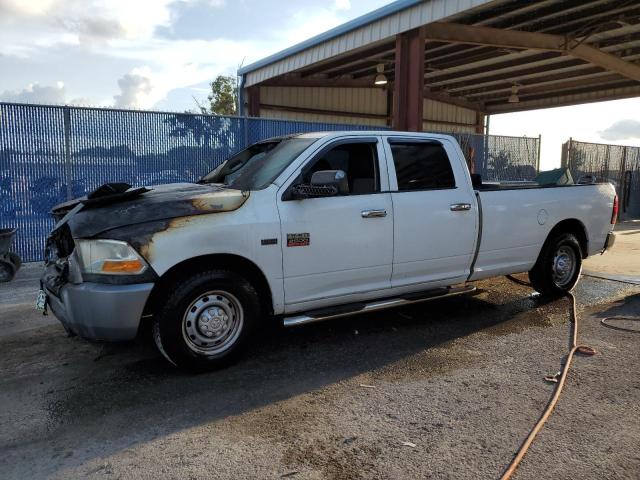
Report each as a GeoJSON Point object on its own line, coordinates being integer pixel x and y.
{"type": "Point", "coordinates": [213, 322]}
{"type": "Point", "coordinates": [564, 266]}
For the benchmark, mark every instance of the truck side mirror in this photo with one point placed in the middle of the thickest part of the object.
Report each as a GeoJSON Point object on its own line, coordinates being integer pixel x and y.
{"type": "Point", "coordinates": [332, 178]}
{"type": "Point", "coordinates": [324, 183]}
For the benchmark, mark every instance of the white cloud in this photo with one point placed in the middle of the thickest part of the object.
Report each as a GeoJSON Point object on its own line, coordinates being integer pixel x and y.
{"type": "Point", "coordinates": [47, 94]}
{"type": "Point", "coordinates": [89, 31]}
{"type": "Point", "coordinates": [36, 93]}
{"type": "Point", "coordinates": [138, 18]}
{"type": "Point", "coordinates": [135, 90]}
{"type": "Point", "coordinates": [125, 31]}
{"type": "Point", "coordinates": [25, 7]}
{"type": "Point", "coordinates": [622, 130]}
{"type": "Point", "coordinates": [26, 26]}
{"type": "Point", "coordinates": [211, 3]}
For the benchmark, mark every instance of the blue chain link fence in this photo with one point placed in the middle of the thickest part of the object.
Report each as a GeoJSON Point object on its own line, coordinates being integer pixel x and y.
{"type": "Point", "coordinates": [49, 154]}
{"type": "Point", "coordinates": [501, 158]}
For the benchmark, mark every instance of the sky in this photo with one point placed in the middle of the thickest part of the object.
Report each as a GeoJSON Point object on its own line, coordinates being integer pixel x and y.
{"type": "Point", "coordinates": [160, 54]}
{"type": "Point", "coordinates": [147, 53]}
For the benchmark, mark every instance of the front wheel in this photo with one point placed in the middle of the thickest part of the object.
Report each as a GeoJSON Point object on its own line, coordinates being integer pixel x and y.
{"type": "Point", "coordinates": [558, 267]}
{"type": "Point", "coordinates": [207, 320]}
{"type": "Point", "coordinates": [7, 271]}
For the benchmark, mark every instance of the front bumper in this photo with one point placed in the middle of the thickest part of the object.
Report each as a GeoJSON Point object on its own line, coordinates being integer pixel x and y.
{"type": "Point", "coordinates": [609, 242]}
{"type": "Point", "coordinates": [100, 311]}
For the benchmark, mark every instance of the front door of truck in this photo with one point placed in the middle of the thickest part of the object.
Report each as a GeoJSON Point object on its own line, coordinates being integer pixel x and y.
{"type": "Point", "coordinates": [435, 213]}
{"type": "Point", "coordinates": [338, 246]}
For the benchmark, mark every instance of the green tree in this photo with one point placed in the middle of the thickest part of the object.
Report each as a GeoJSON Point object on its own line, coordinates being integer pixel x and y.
{"type": "Point", "coordinates": [223, 97]}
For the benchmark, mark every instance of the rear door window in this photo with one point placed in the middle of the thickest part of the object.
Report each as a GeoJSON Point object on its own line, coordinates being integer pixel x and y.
{"type": "Point", "coordinates": [422, 166]}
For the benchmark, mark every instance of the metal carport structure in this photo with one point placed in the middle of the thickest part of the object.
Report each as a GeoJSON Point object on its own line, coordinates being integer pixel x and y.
{"type": "Point", "coordinates": [449, 63]}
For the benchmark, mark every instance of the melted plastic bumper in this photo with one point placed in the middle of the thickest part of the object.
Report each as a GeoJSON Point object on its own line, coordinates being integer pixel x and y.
{"type": "Point", "coordinates": [101, 311]}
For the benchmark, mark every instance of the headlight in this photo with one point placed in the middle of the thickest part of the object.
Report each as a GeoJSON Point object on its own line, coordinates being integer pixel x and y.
{"type": "Point", "coordinates": [110, 257]}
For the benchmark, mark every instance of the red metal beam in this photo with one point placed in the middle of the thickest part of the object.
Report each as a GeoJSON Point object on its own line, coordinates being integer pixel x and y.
{"type": "Point", "coordinates": [578, 99]}
{"type": "Point", "coordinates": [351, 58]}
{"type": "Point", "coordinates": [557, 89]}
{"type": "Point", "coordinates": [339, 82]}
{"type": "Point", "coordinates": [479, 122]}
{"type": "Point", "coordinates": [409, 81]}
{"type": "Point", "coordinates": [319, 111]}
{"type": "Point", "coordinates": [571, 97]}
{"type": "Point", "coordinates": [457, 101]}
{"type": "Point", "coordinates": [254, 101]}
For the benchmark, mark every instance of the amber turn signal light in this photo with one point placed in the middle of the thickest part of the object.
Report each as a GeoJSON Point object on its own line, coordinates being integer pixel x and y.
{"type": "Point", "coordinates": [122, 266]}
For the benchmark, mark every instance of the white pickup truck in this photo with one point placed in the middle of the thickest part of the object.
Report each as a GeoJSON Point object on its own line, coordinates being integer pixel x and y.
{"type": "Point", "coordinates": [305, 228]}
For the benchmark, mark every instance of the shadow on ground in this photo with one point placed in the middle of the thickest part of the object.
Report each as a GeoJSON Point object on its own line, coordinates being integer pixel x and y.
{"type": "Point", "coordinates": [117, 396]}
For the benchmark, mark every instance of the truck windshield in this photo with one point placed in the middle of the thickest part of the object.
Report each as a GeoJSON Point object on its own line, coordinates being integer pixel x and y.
{"type": "Point", "coordinates": [257, 166]}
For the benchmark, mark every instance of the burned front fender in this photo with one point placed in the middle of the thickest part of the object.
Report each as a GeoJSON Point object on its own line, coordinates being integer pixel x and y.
{"type": "Point", "coordinates": [134, 220]}
{"type": "Point", "coordinates": [140, 235]}
{"type": "Point", "coordinates": [159, 206]}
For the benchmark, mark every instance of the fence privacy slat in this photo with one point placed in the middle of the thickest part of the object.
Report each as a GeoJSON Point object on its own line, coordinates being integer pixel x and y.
{"type": "Point", "coordinates": [51, 153]}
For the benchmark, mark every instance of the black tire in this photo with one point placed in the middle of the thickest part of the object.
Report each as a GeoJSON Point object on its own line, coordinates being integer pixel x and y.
{"type": "Point", "coordinates": [558, 267]}
{"type": "Point", "coordinates": [7, 271]}
{"type": "Point", "coordinates": [15, 259]}
{"type": "Point", "coordinates": [207, 320]}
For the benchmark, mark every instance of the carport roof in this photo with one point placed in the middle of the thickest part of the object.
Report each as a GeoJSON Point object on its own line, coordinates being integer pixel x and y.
{"type": "Point", "coordinates": [331, 34]}
{"type": "Point", "coordinates": [551, 52]}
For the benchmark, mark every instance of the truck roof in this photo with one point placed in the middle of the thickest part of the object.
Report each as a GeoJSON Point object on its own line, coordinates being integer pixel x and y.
{"type": "Point", "coordinates": [368, 133]}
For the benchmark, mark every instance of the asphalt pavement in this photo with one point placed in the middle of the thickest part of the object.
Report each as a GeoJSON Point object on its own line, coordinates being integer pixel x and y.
{"type": "Point", "coordinates": [446, 389]}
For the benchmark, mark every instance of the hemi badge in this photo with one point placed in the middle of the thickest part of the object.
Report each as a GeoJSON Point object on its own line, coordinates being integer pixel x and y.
{"type": "Point", "coordinates": [298, 239]}
{"type": "Point", "coordinates": [269, 241]}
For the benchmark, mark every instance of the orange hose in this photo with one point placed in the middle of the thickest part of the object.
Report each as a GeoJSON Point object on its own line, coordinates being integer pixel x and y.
{"type": "Point", "coordinates": [522, 451]}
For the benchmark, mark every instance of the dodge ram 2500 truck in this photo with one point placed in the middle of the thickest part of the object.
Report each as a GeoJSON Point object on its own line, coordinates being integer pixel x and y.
{"type": "Point", "coordinates": [305, 228]}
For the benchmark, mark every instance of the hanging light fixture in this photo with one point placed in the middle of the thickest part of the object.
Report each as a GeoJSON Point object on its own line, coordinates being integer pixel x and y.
{"type": "Point", "coordinates": [381, 78]}
{"type": "Point", "coordinates": [514, 98]}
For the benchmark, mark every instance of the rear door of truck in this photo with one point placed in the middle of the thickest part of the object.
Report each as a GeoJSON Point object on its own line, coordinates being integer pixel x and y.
{"type": "Point", "coordinates": [435, 211]}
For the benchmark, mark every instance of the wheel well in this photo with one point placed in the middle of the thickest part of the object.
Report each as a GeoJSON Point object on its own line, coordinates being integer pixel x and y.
{"type": "Point", "coordinates": [234, 263]}
{"type": "Point", "coordinates": [576, 228]}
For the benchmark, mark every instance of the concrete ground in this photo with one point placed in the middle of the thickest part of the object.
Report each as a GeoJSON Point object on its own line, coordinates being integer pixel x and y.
{"type": "Point", "coordinates": [623, 261]}
{"type": "Point", "coordinates": [447, 389]}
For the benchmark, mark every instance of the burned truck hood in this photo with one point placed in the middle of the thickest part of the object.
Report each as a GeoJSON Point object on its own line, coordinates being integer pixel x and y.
{"type": "Point", "coordinates": [162, 202]}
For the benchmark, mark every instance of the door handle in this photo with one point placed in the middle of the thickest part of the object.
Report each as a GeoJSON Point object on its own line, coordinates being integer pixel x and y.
{"type": "Point", "coordinates": [374, 213]}
{"type": "Point", "coordinates": [460, 207]}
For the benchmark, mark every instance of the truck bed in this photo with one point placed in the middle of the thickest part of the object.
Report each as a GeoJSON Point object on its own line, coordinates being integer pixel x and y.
{"type": "Point", "coordinates": [515, 219]}
{"type": "Point", "coordinates": [498, 186]}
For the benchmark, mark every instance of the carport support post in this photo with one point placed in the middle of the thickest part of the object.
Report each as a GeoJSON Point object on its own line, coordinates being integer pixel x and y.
{"type": "Point", "coordinates": [408, 98]}
{"type": "Point", "coordinates": [479, 123]}
{"type": "Point", "coordinates": [254, 101]}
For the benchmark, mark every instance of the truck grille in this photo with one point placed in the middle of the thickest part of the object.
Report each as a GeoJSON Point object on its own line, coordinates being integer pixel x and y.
{"type": "Point", "coordinates": [59, 244]}
{"type": "Point", "coordinates": [58, 248]}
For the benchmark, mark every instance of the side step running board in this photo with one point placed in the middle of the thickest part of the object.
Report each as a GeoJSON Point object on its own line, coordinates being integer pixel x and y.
{"type": "Point", "coordinates": [355, 308]}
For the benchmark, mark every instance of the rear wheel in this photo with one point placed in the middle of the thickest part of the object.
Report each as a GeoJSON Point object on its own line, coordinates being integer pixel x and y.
{"type": "Point", "coordinates": [558, 267]}
{"type": "Point", "coordinates": [207, 320]}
